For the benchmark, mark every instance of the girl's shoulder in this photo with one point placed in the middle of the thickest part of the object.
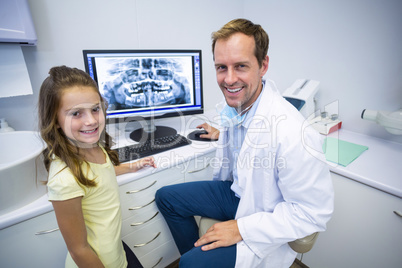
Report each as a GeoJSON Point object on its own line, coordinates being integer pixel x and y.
{"type": "Point", "coordinates": [56, 164]}
{"type": "Point", "coordinates": [58, 168]}
{"type": "Point", "coordinates": [62, 184]}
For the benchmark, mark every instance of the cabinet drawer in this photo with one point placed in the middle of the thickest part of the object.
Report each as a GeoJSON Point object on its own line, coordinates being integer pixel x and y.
{"type": "Point", "coordinates": [33, 243]}
{"type": "Point", "coordinates": [161, 256]}
{"type": "Point", "coordinates": [134, 192]}
{"type": "Point", "coordinates": [135, 203]}
{"type": "Point", "coordinates": [142, 203]}
{"type": "Point", "coordinates": [148, 238]}
{"type": "Point", "coordinates": [141, 220]}
{"type": "Point", "coordinates": [364, 231]}
{"type": "Point", "coordinates": [200, 168]}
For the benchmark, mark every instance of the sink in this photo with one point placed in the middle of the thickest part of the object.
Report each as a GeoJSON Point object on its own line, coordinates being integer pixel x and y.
{"type": "Point", "coordinates": [21, 169]}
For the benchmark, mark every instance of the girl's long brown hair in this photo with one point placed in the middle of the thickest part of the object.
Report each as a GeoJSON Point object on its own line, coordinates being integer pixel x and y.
{"type": "Point", "coordinates": [61, 78]}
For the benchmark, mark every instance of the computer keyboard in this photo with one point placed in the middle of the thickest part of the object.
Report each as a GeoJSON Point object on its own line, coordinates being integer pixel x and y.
{"type": "Point", "coordinates": [150, 147]}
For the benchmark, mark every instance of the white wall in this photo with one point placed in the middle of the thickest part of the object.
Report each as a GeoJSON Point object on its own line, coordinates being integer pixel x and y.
{"type": "Point", "coordinates": [65, 28]}
{"type": "Point", "coordinates": [351, 47]}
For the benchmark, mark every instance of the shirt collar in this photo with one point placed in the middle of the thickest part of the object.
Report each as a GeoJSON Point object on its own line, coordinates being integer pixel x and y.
{"type": "Point", "coordinates": [251, 112]}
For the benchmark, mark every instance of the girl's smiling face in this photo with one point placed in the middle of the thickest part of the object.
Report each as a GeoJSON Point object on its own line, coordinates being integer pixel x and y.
{"type": "Point", "coordinates": [81, 116]}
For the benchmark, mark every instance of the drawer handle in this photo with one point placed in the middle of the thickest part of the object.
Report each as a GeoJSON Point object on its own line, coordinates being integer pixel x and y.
{"type": "Point", "coordinates": [136, 191]}
{"type": "Point", "coordinates": [156, 264]}
{"type": "Point", "coordinates": [398, 213]}
{"type": "Point", "coordinates": [47, 231]}
{"type": "Point", "coordinates": [198, 170]}
{"type": "Point", "coordinates": [144, 244]}
{"type": "Point", "coordinates": [139, 207]}
{"type": "Point", "coordinates": [140, 223]}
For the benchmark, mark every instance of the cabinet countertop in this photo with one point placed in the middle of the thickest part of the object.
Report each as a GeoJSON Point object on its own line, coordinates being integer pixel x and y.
{"type": "Point", "coordinates": [378, 167]}
{"type": "Point", "coordinates": [163, 161]}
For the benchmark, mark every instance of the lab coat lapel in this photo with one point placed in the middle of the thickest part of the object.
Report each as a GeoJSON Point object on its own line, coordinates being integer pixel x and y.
{"type": "Point", "coordinates": [253, 140]}
{"type": "Point", "coordinates": [221, 171]}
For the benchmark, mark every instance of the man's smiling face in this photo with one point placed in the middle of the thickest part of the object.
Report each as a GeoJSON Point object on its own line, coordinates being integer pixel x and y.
{"type": "Point", "coordinates": [237, 70]}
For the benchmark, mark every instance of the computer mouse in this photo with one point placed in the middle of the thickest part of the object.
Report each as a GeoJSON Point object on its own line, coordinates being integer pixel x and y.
{"type": "Point", "coordinates": [195, 135]}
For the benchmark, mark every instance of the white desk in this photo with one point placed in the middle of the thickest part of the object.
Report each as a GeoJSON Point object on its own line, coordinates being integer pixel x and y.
{"type": "Point", "coordinates": [163, 160]}
{"type": "Point", "coordinates": [143, 227]}
{"type": "Point", "coordinates": [379, 167]}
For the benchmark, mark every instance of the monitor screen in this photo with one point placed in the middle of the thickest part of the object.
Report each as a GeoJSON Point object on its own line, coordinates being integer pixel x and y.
{"type": "Point", "coordinates": [147, 83]}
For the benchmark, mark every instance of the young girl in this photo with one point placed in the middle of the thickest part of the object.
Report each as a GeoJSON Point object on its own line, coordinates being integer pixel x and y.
{"type": "Point", "coordinates": [82, 168]}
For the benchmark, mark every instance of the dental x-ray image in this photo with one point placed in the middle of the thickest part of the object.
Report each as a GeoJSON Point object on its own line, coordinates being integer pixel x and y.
{"type": "Point", "coordinates": [143, 82]}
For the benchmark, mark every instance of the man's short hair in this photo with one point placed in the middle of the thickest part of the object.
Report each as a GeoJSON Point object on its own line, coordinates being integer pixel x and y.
{"type": "Point", "coordinates": [248, 28]}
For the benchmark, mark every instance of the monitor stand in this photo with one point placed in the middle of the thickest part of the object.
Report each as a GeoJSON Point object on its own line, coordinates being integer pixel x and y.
{"type": "Point", "coordinates": [150, 132]}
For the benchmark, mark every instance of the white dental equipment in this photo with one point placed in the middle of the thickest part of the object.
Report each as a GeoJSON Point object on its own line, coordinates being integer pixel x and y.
{"type": "Point", "coordinates": [301, 94]}
{"type": "Point", "coordinates": [391, 121]}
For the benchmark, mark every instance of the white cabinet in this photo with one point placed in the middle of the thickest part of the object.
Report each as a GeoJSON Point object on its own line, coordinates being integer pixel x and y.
{"type": "Point", "coordinates": [35, 243]}
{"type": "Point", "coordinates": [143, 229]}
{"type": "Point", "coordinates": [200, 168]}
{"type": "Point", "coordinates": [365, 230]}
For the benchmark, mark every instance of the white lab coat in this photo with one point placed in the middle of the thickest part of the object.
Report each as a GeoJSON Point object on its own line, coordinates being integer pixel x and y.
{"type": "Point", "coordinates": [287, 188]}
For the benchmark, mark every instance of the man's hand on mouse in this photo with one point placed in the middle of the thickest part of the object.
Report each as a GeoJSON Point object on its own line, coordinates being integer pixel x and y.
{"type": "Point", "coordinates": [213, 133]}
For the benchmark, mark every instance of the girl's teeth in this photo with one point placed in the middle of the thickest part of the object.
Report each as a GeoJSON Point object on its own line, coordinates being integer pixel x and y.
{"type": "Point", "coordinates": [234, 90]}
{"type": "Point", "coordinates": [90, 131]}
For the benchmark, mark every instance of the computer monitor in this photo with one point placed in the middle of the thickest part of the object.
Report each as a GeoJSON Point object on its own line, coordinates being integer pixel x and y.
{"type": "Point", "coordinates": [148, 84]}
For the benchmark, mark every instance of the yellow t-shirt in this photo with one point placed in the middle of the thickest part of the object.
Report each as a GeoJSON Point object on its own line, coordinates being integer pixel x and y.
{"type": "Point", "coordinates": [100, 207]}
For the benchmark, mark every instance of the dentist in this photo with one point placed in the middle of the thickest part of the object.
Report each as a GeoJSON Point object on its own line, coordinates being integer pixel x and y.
{"type": "Point", "coordinates": [271, 184]}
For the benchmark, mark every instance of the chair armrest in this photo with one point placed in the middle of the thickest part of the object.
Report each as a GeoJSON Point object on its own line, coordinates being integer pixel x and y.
{"type": "Point", "coordinates": [205, 224]}
{"type": "Point", "coordinates": [304, 244]}
{"type": "Point", "coordinates": [301, 245]}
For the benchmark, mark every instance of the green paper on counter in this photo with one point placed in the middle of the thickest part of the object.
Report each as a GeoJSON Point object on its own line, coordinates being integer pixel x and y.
{"type": "Point", "coordinates": [341, 152]}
